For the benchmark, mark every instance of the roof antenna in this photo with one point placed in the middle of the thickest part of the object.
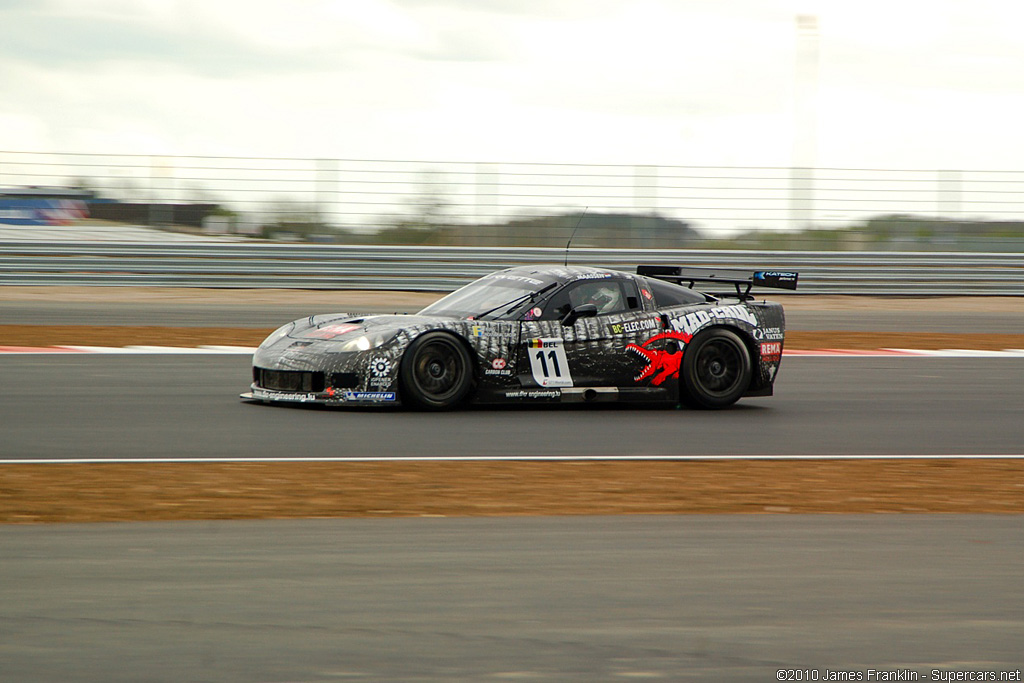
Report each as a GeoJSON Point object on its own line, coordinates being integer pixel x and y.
{"type": "Point", "coordinates": [573, 235]}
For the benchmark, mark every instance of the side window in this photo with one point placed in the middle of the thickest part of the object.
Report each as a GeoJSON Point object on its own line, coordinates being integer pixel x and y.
{"type": "Point", "coordinates": [669, 294]}
{"type": "Point", "coordinates": [610, 296]}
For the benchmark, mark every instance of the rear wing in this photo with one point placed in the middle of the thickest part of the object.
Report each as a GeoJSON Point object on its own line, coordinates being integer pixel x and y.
{"type": "Point", "coordinates": [743, 280]}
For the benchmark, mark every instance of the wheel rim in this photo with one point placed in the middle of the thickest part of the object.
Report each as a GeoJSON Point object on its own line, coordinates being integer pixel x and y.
{"type": "Point", "coordinates": [718, 366]}
{"type": "Point", "coordinates": [437, 370]}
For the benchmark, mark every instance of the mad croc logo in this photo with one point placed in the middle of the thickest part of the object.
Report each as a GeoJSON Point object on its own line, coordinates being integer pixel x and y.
{"type": "Point", "coordinates": [691, 322]}
{"type": "Point", "coordinates": [661, 363]}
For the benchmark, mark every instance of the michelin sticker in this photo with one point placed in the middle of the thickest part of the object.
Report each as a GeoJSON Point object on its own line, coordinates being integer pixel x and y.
{"type": "Point", "coordinates": [369, 396]}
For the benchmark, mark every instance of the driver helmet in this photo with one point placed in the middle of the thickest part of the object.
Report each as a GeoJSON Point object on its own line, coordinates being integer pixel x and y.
{"type": "Point", "coordinates": [605, 298]}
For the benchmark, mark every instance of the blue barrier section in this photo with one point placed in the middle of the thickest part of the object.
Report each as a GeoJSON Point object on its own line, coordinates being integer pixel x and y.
{"type": "Point", "coordinates": [42, 211]}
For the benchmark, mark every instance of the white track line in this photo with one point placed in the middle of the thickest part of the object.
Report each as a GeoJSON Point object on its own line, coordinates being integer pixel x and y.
{"type": "Point", "coordinates": [130, 350]}
{"type": "Point", "coordinates": [511, 458]}
{"type": "Point", "coordinates": [246, 350]}
{"type": "Point", "coordinates": [905, 353]}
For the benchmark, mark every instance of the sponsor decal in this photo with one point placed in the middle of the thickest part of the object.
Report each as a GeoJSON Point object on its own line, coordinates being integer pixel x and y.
{"type": "Point", "coordinates": [635, 326]}
{"type": "Point", "coordinates": [380, 371]}
{"type": "Point", "coordinates": [380, 367]}
{"type": "Point", "coordinates": [548, 363]}
{"type": "Point", "coordinates": [282, 396]}
{"type": "Point", "coordinates": [768, 334]}
{"type": "Point", "coordinates": [515, 278]}
{"type": "Point", "coordinates": [534, 393]}
{"type": "Point", "coordinates": [780, 275]}
{"type": "Point", "coordinates": [691, 322]}
{"type": "Point", "coordinates": [499, 367]}
{"type": "Point", "coordinates": [31, 211]}
{"type": "Point", "coordinates": [771, 351]}
{"type": "Point", "coordinates": [493, 330]}
{"type": "Point", "coordinates": [373, 396]}
{"type": "Point", "coordinates": [662, 364]}
{"type": "Point", "coordinates": [331, 331]}
{"type": "Point", "coordinates": [647, 293]}
{"type": "Point", "coordinates": [592, 276]}
{"type": "Point", "coordinates": [533, 313]}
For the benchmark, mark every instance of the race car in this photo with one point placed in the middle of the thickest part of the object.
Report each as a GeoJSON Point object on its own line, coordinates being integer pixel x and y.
{"type": "Point", "coordinates": [536, 334]}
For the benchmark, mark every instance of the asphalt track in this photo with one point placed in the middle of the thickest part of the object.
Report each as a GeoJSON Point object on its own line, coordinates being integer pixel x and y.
{"type": "Point", "coordinates": [734, 598]}
{"type": "Point", "coordinates": [708, 598]}
{"type": "Point", "coordinates": [152, 406]}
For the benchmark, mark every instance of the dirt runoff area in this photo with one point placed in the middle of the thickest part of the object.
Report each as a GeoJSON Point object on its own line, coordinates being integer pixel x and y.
{"type": "Point", "coordinates": [41, 493]}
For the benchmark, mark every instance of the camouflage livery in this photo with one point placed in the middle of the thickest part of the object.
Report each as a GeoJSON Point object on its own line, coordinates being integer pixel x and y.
{"type": "Point", "coordinates": [541, 345]}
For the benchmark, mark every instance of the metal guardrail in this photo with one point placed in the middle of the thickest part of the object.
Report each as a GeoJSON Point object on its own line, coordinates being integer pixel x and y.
{"type": "Point", "coordinates": [303, 266]}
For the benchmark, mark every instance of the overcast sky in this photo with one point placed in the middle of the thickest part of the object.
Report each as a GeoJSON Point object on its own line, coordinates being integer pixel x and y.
{"type": "Point", "coordinates": [901, 83]}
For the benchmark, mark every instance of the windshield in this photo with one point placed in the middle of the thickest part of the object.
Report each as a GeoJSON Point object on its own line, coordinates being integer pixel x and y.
{"type": "Point", "coordinates": [496, 291]}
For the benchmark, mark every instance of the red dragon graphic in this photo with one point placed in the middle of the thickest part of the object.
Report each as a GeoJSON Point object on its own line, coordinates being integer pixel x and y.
{"type": "Point", "coordinates": [661, 365]}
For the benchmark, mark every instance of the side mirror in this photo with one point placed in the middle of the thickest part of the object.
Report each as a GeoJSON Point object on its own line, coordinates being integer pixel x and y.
{"type": "Point", "coordinates": [581, 311]}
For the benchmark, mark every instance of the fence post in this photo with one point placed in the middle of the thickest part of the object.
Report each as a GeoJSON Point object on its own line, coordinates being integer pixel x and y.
{"type": "Point", "coordinates": [645, 201]}
{"type": "Point", "coordinates": [325, 178]}
{"type": "Point", "coordinates": [160, 212]}
{"type": "Point", "coordinates": [801, 198]}
{"type": "Point", "coordinates": [487, 198]}
{"type": "Point", "coordinates": [949, 193]}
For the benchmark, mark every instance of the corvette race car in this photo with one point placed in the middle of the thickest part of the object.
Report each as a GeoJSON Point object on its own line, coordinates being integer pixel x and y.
{"type": "Point", "coordinates": [532, 334]}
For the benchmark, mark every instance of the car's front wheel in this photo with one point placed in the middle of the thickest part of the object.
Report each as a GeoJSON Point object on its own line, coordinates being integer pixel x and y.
{"type": "Point", "coordinates": [436, 372]}
{"type": "Point", "coordinates": [716, 369]}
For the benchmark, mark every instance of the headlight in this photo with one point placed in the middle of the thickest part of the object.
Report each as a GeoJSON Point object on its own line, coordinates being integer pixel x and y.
{"type": "Point", "coordinates": [365, 342]}
{"type": "Point", "coordinates": [277, 334]}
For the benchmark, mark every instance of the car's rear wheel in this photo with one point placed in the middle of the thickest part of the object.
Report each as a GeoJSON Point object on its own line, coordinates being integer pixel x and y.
{"type": "Point", "coordinates": [436, 372]}
{"type": "Point", "coordinates": [716, 369]}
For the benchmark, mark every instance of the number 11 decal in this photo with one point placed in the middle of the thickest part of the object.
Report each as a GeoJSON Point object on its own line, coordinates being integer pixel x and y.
{"type": "Point", "coordinates": [548, 363]}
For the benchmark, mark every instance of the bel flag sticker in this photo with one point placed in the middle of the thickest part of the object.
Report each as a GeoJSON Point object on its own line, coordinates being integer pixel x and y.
{"type": "Point", "coordinates": [548, 362]}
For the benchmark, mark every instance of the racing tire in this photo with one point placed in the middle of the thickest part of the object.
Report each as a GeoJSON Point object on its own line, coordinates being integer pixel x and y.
{"type": "Point", "coordinates": [716, 369]}
{"type": "Point", "coordinates": [436, 372]}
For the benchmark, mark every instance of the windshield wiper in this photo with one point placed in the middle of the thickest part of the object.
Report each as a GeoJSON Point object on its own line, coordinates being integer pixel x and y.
{"type": "Point", "coordinates": [532, 296]}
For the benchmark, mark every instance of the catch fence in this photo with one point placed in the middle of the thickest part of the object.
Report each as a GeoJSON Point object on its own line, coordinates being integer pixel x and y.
{"type": "Point", "coordinates": [484, 203]}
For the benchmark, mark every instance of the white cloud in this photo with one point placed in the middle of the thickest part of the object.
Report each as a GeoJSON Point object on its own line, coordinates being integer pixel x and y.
{"type": "Point", "coordinates": [619, 81]}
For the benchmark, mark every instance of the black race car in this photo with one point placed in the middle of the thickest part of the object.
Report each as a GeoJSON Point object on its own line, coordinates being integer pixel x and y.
{"type": "Point", "coordinates": [540, 334]}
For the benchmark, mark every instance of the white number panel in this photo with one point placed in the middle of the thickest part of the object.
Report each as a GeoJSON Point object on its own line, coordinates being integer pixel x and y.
{"type": "Point", "coordinates": [548, 362]}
